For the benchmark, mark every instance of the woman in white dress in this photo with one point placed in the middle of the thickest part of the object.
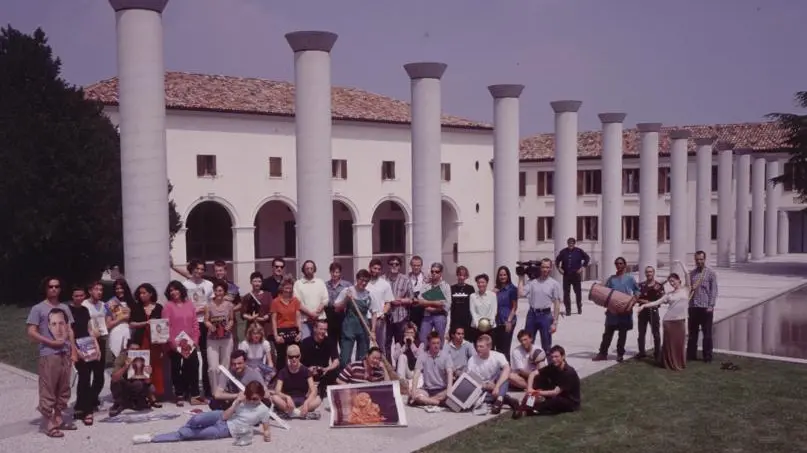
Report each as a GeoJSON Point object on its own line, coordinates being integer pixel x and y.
{"type": "Point", "coordinates": [673, 346]}
{"type": "Point", "coordinates": [119, 308]}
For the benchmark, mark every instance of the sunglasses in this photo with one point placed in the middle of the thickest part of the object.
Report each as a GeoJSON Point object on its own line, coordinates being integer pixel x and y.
{"type": "Point", "coordinates": [394, 264]}
{"type": "Point", "coordinates": [293, 356]}
{"type": "Point", "coordinates": [279, 267]}
{"type": "Point", "coordinates": [436, 272]}
{"type": "Point", "coordinates": [54, 286]}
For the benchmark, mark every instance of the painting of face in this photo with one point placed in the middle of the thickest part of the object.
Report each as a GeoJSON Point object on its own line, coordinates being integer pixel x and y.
{"type": "Point", "coordinates": [57, 324]}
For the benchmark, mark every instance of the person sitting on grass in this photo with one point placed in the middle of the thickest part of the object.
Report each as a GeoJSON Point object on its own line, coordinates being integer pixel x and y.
{"type": "Point", "coordinates": [247, 411]}
{"type": "Point", "coordinates": [295, 391]}
{"type": "Point", "coordinates": [130, 392]}
{"type": "Point", "coordinates": [523, 360]}
{"type": "Point", "coordinates": [492, 368]}
{"type": "Point", "coordinates": [556, 389]}
{"type": "Point", "coordinates": [226, 391]}
{"type": "Point", "coordinates": [438, 375]}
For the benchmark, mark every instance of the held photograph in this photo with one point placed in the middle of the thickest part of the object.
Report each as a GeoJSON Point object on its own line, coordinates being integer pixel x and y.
{"type": "Point", "coordinates": [367, 405]}
{"type": "Point", "coordinates": [141, 364]}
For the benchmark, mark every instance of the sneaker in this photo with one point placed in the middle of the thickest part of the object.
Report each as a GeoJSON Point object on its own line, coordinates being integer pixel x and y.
{"type": "Point", "coordinates": [142, 439]}
{"type": "Point", "coordinates": [432, 409]}
{"type": "Point", "coordinates": [483, 409]}
{"type": "Point", "coordinates": [620, 358]}
{"type": "Point", "coordinates": [599, 358]}
{"type": "Point", "coordinates": [496, 407]}
{"type": "Point", "coordinates": [312, 416]}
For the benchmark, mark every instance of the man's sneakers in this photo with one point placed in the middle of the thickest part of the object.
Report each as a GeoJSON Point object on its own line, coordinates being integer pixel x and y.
{"type": "Point", "coordinates": [142, 439]}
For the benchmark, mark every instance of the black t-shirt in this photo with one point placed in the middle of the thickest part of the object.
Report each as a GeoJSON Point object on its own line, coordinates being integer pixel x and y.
{"type": "Point", "coordinates": [318, 354]}
{"type": "Point", "coordinates": [566, 378]}
{"type": "Point", "coordinates": [81, 318]}
{"type": "Point", "coordinates": [294, 384]}
{"type": "Point", "coordinates": [271, 285]}
{"type": "Point", "coordinates": [460, 304]}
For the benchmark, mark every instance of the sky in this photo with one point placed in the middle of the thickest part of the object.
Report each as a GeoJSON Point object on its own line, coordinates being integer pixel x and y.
{"type": "Point", "coordinates": [675, 62]}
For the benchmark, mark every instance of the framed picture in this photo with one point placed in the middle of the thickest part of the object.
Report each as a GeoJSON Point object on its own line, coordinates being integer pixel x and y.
{"type": "Point", "coordinates": [367, 405]}
{"type": "Point", "coordinates": [141, 364]}
{"type": "Point", "coordinates": [159, 330]}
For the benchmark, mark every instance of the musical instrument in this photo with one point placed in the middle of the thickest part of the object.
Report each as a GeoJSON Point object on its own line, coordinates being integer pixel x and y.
{"type": "Point", "coordinates": [483, 325]}
{"type": "Point", "coordinates": [614, 301]}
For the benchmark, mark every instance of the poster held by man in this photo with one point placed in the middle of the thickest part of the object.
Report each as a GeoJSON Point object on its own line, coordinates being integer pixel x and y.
{"type": "Point", "coordinates": [378, 404]}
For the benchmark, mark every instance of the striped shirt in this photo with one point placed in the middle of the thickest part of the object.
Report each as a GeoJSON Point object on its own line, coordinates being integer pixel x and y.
{"type": "Point", "coordinates": [335, 288]}
{"type": "Point", "coordinates": [401, 289]}
{"type": "Point", "coordinates": [356, 373]}
{"type": "Point", "coordinates": [704, 288]}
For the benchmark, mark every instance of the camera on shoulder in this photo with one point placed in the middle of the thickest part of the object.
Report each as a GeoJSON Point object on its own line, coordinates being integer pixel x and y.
{"type": "Point", "coordinates": [531, 268]}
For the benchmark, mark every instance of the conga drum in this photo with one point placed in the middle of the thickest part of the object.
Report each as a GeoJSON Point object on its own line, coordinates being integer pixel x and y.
{"type": "Point", "coordinates": [614, 301]}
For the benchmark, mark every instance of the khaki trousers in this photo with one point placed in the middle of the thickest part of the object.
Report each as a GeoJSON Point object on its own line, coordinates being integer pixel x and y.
{"type": "Point", "coordinates": [54, 384]}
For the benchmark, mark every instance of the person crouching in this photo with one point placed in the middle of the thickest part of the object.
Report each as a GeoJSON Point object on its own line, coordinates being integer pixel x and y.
{"type": "Point", "coordinates": [130, 390]}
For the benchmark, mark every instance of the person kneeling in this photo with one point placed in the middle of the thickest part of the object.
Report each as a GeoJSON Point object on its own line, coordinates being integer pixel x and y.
{"type": "Point", "coordinates": [130, 390]}
{"type": "Point", "coordinates": [246, 412]}
{"type": "Point", "coordinates": [295, 392]}
{"type": "Point", "coordinates": [438, 375]}
{"type": "Point", "coordinates": [554, 389]}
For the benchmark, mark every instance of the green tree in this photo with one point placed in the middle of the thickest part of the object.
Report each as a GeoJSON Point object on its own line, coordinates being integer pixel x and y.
{"type": "Point", "coordinates": [795, 127]}
{"type": "Point", "coordinates": [60, 188]}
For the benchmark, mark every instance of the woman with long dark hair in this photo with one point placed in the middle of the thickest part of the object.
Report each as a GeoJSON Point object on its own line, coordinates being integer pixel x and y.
{"type": "Point", "coordinates": [119, 308]}
{"type": "Point", "coordinates": [506, 305]}
{"type": "Point", "coordinates": [145, 309]}
{"type": "Point", "coordinates": [181, 315]}
{"type": "Point", "coordinates": [673, 346]}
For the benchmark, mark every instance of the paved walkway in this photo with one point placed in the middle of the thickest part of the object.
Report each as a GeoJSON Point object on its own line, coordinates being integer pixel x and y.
{"type": "Point", "coordinates": [740, 288]}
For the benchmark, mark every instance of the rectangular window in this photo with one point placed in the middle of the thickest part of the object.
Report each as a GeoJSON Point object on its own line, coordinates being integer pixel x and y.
{"type": "Point", "coordinates": [630, 180]}
{"type": "Point", "coordinates": [289, 239]}
{"type": "Point", "coordinates": [521, 228]}
{"type": "Point", "coordinates": [387, 170]}
{"type": "Point", "coordinates": [589, 182]}
{"type": "Point", "coordinates": [587, 228]}
{"type": "Point", "coordinates": [522, 184]}
{"type": "Point", "coordinates": [713, 229]}
{"type": "Point", "coordinates": [345, 240]}
{"type": "Point", "coordinates": [663, 228]}
{"type": "Point", "coordinates": [630, 228]}
{"type": "Point", "coordinates": [545, 183]}
{"type": "Point", "coordinates": [664, 180]}
{"type": "Point", "coordinates": [275, 167]}
{"type": "Point", "coordinates": [339, 168]}
{"type": "Point", "coordinates": [205, 165]}
{"type": "Point", "coordinates": [445, 172]}
{"type": "Point", "coordinates": [545, 227]}
{"type": "Point", "coordinates": [714, 178]}
{"type": "Point", "coordinates": [392, 236]}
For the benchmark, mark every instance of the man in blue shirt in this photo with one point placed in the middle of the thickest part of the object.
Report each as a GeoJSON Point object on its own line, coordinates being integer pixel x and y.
{"type": "Point", "coordinates": [623, 282]}
{"type": "Point", "coordinates": [571, 262]}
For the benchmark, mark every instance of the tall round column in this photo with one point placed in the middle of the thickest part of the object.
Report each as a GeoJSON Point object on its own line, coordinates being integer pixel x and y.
{"type": "Point", "coordinates": [565, 179]}
{"type": "Point", "coordinates": [144, 167]}
{"type": "Point", "coordinates": [648, 195]}
{"type": "Point", "coordinates": [703, 191]}
{"type": "Point", "coordinates": [771, 209]}
{"type": "Point", "coordinates": [611, 205]}
{"type": "Point", "coordinates": [505, 169]}
{"type": "Point", "coordinates": [743, 178]}
{"type": "Point", "coordinates": [725, 218]}
{"type": "Point", "coordinates": [679, 222]}
{"type": "Point", "coordinates": [758, 208]}
{"type": "Point", "coordinates": [426, 147]}
{"type": "Point", "coordinates": [312, 128]}
{"type": "Point", "coordinates": [784, 233]}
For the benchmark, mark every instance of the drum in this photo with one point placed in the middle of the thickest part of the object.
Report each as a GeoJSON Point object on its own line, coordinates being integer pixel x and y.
{"type": "Point", "coordinates": [615, 301]}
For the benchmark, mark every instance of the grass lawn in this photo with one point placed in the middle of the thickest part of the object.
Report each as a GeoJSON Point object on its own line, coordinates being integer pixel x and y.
{"type": "Point", "coordinates": [636, 407]}
{"type": "Point", "coordinates": [16, 349]}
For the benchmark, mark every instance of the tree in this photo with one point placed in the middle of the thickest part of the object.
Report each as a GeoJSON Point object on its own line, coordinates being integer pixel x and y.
{"type": "Point", "coordinates": [174, 219]}
{"type": "Point", "coordinates": [795, 127]}
{"type": "Point", "coordinates": [60, 175]}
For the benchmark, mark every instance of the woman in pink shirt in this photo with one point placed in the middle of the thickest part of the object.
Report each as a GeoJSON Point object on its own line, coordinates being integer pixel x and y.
{"type": "Point", "coordinates": [182, 341]}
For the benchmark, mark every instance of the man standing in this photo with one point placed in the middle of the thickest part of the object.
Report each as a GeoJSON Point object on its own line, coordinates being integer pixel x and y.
{"type": "Point", "coordinates": [438, 375]}
{"type": "Point", "coordinates": [650, 291]}
{"type": "Point", "coordinates": [623, 282]}
{"type": "Point", "coordinates": [272, 283]}
{"type": "Point", "coordinates": [522, 360]}
{"type": "Point", "coordinates": [556, 390]}
{"type": "Point", "coordinates": [543, 295]}
{"type": "Point", "coordinates": [703, 298]}
{"type": "Point", "coordinates": [48, 325]}
{"type": "Point", "coordinates": [436, 311]}
{"type": "Point", "coordinates": [381, 293]}
{"type": "Point", "coordinates": [571, 262]}
{"type": "Point", "coordinates": [417, 278]}
{"type": "Point", "coordinates": [313, 297]}
{"type": "Point", "coordinates": [321, 357]}
{"type": "Point", "coordinates": [399, 313]}
{"type": "Point", "coordinates": [200, 292]}
{"type": "Point", "coordinates": [335, 285]}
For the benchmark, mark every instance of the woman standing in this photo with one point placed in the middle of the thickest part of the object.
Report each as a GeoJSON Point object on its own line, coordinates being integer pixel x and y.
{"type": "Point", "coordinates": [181, 315]}
{"type": "Point", "coordinates": [483, 305]}
{"type": "Point", "coordinates": [256, 307]}
{"type": "Point", "coordinates": [673, 347]}
{"type": "Point", "coordinates": [219, 318]}
{"type": "Point", "coordinates": [119, 308]}
{"type": "Point", "coordinates": [145, 309]}
{"type": "Point", "coordinates": [460, 300]}
{"type": "Point", "coordinates": [286, 320]}
{"type": "Point", "coordinates": [506, 305]}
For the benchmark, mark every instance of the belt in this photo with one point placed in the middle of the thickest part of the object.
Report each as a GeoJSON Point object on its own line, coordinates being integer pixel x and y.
{"type": "Point", "coordinates": [541, 310]}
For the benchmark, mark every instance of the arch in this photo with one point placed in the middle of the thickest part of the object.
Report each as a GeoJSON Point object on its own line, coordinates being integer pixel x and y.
{"type": "Point", "coordinates": [451, 202]}
{"type": "Point", "coordinates": [275, 197]}
{"type": "Point", "coordinates": [275, 220]}
{"type": "Point", "coordinates": [351, 206]}
{"type": "Point", "coordinates": [397, 200]}
{"type": "Point", "coordinates": [209, 234]}
{"type": "Point", "coordinates": [450, 221]}
{"type": "Point", "coordinates": [215, 199]}
{"type": "Point", "coordinates": [345, 216]}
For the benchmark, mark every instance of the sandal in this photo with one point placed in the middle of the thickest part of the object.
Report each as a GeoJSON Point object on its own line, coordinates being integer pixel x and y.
{"type": "Point", "coordinates": [179, 402]}
{"type": "Point", "coordinates": [54, 432]}
{"type": "Point", "coordinates": [87, 420]}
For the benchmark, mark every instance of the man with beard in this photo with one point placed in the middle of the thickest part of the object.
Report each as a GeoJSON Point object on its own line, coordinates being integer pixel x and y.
{"type": "Point", "coordinates": [313, 297]}
{"type": "Point", "coordinates": [381, 292]}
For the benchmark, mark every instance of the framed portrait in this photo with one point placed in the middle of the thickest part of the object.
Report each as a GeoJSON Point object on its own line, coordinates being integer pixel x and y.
{"type": "Point", "coordinates": [376, 404]}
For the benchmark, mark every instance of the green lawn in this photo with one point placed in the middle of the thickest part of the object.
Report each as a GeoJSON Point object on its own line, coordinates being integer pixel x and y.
{"type": "Point", "coordinates": [636, 407]}
{"type": "Point", "coordinates": [16, 348]}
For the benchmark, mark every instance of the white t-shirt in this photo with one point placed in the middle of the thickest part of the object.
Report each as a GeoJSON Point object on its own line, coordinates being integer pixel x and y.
{"type": "Point", "coordinates": [200, 294]}
{"type": "Point", "coordinates": [311, 293]}
{"type": "Point", "coordinates": [520, 359]}
{"type": "Point", "coordinates": [487, 369]}
{"type": "Point", "coordinates": [98, 313]}
{"type": "Point", "coordinates": [381, 293]}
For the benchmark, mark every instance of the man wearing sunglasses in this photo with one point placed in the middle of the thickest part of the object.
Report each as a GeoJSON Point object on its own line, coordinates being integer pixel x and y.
{"type": "Point", "coordinates": [398, 316]}
{"type": "Point", "coordinates": [271, 284]}
{"type": "Point", "coordinates": [436, 311]}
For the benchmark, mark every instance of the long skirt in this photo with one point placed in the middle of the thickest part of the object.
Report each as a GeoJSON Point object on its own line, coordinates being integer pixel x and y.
{"type": "Point", "coordinates": [673, 348]}
{"type": "Point", "coordinates": [157, 358]}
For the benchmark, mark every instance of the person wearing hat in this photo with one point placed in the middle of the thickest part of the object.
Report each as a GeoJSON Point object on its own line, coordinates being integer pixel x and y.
{"type": "Point", "coordinates": [571, 262]}
{"type": "Point", "coordinates": [524, 360]}
{"type": "Point", "coordinates": [554, 388]}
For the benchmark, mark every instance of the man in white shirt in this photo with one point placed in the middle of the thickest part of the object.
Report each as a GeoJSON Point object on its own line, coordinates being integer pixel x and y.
{"type": "Point", "coordinates": [200, 292]}
{"type": "Point", "coordinates": [313, 296]}
{"type": "Point", "coordinates": [522, 360]}
{"type": "Point", "coordinates": [492, 368]}
{"type": "Point", "coordinates": [99, 327]}
{"type": "Point", "coordinates": [381, 291]}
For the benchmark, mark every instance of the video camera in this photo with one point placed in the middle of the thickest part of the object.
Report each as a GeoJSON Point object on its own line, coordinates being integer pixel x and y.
{"type": "Point", "coordinates": [531, 268]}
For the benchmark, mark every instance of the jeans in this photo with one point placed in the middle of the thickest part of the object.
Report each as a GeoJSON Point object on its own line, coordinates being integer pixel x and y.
{"type": "Point", "coordinates": [185, 375]}
{"type": "Point", "coordinates": [489, 396]}
{"type": "Point", "coordinates": [539, 322]}
{"type": "Point", "coordinates": [218, 353]}
{"type": "Point", "coordinates": [571, 281]}
{"type": "Point", "coordinates": [307, 330]}
{"type": "Point", "coordinates": [436, 322]}
{"type": "Point", "coordinates": [85, 401]}
{"type": "Point", "coordinates": [202, 349]}
{"type": "Point", "coordinates": [96, 370]}
{"type": "Point", "coordinates": [204, 426]}
{"type": "Point", "coordinates": [381, 335]}
{"type": "Point", "coordinates": [335, 320]}
{"type": "Point", "coordinates": [650, 316]}
{"type": "Point", "coordinates": [700, 319]}
{"type": "Point", "coordinates": [351, 338]}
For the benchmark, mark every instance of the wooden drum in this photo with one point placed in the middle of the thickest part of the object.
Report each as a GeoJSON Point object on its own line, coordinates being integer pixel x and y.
{"type": "Point", "coordinates": [614, 301]}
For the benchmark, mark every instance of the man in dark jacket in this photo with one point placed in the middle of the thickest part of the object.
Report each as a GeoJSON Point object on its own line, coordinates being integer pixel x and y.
{"type": "Point", "coordinates": [571, 262]}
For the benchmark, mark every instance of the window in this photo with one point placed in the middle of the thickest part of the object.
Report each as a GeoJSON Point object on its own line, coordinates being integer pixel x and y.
{"type": "Point", "coordinates": [290, 238]}
{"type": "Point", "coordinates": [445, 172]}
{"type": "Point", "coordinates": [789, 174]}
{"type": "Point", "coordinates": [664, 180]}
{"type": "Point", "coordinates": [387, 170]}
{"type": "Point", "coordinates": [589, 182]}
{"type": "Point", "coordinates": [392, 236]}
{"type": "Point", "coordinates": [663, 231]}
{"type": "Point", "coordinates": [630, 228]}
{"type": "Point", "coordinates": [714, 178]}
{"type": "Point", "coordinates": [630, 180]}
{"type": "Point", "coordinates": [713, 229]}
{"type": "Point", "coordinates": [205, 165]}
{"type": "Point", "coordinates": [522, 184]}
{"type": "Point", "coordinates": [345, 240]}
{"type": "Point", "coordinates": [545, 183]}
{"type": "Point", "coordinates": [521, 228]}
{"type": "Point", "coordinates": [587, 228]}
{"type": "Point", "coordinates": [339, 168]}
{"type": "Point", "coordinates": [275, 167]}
{"type": "Point", "coordinates": [545, 227]}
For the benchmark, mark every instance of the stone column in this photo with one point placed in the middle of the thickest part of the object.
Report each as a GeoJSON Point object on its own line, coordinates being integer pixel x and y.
{"type": "Point", "coordinates": [771, 209]}
{"type": "Point", "coordinates": [244, 256]}
{"type": "Point", "coordinates": [679, 203]}
{"type": "Point", "coordinates": [426, 158]}
{"type": "Point", "coordinates": [703, 197]}
{"type": "Point", "coordinates": [505, 184]}
{"type": "Point", "coordinates": [743, 178]}
{"type": "Point", "coordinates": [784, 233]}
{"type": "Point", "coordinates": [725, 218]}
{"type": "Point", "coordinates": [144, 168]}
{"type": "Point", "coordinates": [312, 129]}
{"type": "Point", "coordinates": [565, 180]}
{"type": "Point", "coordinates": [758, 208]}
{"type": "Point", "coordinates": [362, 248]}
{"type": "Point", "coordinates": [648, 194]}
{"type": "Point", "coordinates": [611, 204]}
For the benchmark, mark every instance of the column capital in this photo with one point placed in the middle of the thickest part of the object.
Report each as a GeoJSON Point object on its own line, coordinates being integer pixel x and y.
{"type": "Point", "coordinates": [301, 41]}
{"type": "Point", "coordinates": [649, 127]}
{"type": "Point", "coordinates": [362, 225]}
{"type": "Point", "coordinates": [566, 106]}
{"type": "Point", "coordinates": [239, 229]}
{"type": "Point", "coordinates": [158, 6]}
{"type": "Point", "coordinates": [680, 134]}
{"type": "Point", "coordinates": [612, 117]}
{"type": "Point", "coordinates": [425, 70]}
{"type": "Point", "coordinates": [505, 91]}
{"type": "Point", "coordinates": [705, 141]}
